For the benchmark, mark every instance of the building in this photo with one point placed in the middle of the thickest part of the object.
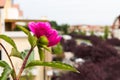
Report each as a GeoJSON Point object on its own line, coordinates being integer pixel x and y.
{"type": "Point", "coordinates": [2, 5]}
{"type": "Point", "coordinates": [97, 29]}
{"type": "Point", "coordinates": [9, 17]}
{"type": "Point", "coordinates": [116, 28]}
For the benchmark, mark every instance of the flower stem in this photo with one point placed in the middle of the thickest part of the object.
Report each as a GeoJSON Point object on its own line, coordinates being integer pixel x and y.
{"type": "Point", "coordinates": [9, 60]}
{"type": "Point", "coordinates": [24, 63]}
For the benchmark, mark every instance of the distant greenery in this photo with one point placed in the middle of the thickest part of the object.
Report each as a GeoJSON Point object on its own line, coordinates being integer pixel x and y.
{"type": "Point", "coordinates": [82, 32]}
{"type": "Point", "coordinates": [55, 25]}
{"type": "Point", "coordinates": [106, 32]}
{"type": "Point", "coordinates": [63, 27]}
{"type": "Point", "coordinates": [92, 33]}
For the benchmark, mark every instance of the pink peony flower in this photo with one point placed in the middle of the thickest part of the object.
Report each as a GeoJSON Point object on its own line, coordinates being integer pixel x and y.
{"type": "Point", "coordinates": [44, 29]}
{"type": "Point", "coordinates": [39, 28]}
{"type": "Point", "coordinates": [53, 37]}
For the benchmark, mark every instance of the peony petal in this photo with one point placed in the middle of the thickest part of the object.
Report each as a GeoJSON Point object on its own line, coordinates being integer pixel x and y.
{"type": "Point", "coordinates": [32, 26]}
{"type": "Point", "coordinates": [43, 25]}
{"type": "Point", "coordinates": [48, 24]}
{"type": "Point", "coordinates": [51, 32]}
{"type": "Point", "coordinates": [53, 38]}
{"type": "Point", "coordinates": [43, 28]}
{"type": "Point", "coordinates": [52, 35]}
{"type": "Point", "coordinates": [56, 41]}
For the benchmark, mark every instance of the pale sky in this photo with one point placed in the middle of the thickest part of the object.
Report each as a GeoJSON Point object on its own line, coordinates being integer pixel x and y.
{"type": "Point", "coordinates": [94, 12]}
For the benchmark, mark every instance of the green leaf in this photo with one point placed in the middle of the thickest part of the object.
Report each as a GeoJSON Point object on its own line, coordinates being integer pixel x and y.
{"type": "Point", "coordinates": [58, 65]}
{"type": "Point", "coordinates": [46, 48]}
{"type": "Point", "coordinates": [31, 57]}
{"type": "Point", "coordinates": [9, 40]}
{"type": "Point", "coordinates": [41, 54]}
{"type": "Point", "coordinates": [3, 63]}
{"type": "Point", "coordinates": [15, 53]}
{"type": "Point", "coordinates": [24, 30]}
{"type": "Point", "coordinates": [57, 49]}
{"type": "Point", "coordinates": [13, 74]}
{"type": "Point", "coordinates": [32, 40]}
{"type": "Point", "coordinates": [6, 71]}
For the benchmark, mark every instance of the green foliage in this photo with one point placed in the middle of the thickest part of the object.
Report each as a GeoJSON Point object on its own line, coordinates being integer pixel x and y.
{"type": "Point", "coordinates": [17, 29]}
{"type": "Point", "coordinates": [58, 65]}
{"type": "Point", "coordinates": [9, 40]}
{"type": "Point", "coordinates": [6, 71]}
{"type": "Point", "coordinates": [41, 54]}
{"type": "Point", "coordinates": [41, 44]}
{"type": "Point", "coordinates": [3, 64]}
{"type": "Point", "coordinates": [24, 54]}
{"type": "Point", "coordinates": [32, 39]}
{"type": "Point", "coordinates": [57, 49]}
{"type": "Point", "coordinates": [24, 30]}
{"type": "Point", "coordinates": [54, 25]}
{"type": "Point", "coordinates": [82, 32]}
{"type": "Point", "coordinates": [92, 33]}
{"type": "Point", "coordinates": [106, 32]}
{"type": "Point", "coordinates": [45, 47]}
{"type": "Point", "coordinates": [15, 53]}
{"type": "Point", "coordinates": [64, 28]}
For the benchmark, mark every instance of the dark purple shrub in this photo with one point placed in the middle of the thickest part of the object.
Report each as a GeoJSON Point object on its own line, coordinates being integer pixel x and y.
{"type": "Point", "coordinates": [102, 52]}
{"type": "Point", "coordinates": [88, 71]}
{"type": "Point", "coordinates": [102, 61]}
{"type": "Point", "coordinates": [113, 41]}
{"type": "Point", "coordinates": [111, 67]}
{"type": "Point", "coordinates": [70, 76]}
{"type": "Point", "coordinates": [62, 41]}
{"type": "Point", "coordinates": [93, 39]}
{"type": "Point", "coordinates": [91, 71]}
{"type": "Point", "coordinates": [69, 45]}
{"type": "Point", "coordinates": [82, 51]}
{"type": "Point", "coordinates": [96, 53]}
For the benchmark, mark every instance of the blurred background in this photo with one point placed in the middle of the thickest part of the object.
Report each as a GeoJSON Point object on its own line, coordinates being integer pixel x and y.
{"type": "Point", "coordinates": [90, 31]}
